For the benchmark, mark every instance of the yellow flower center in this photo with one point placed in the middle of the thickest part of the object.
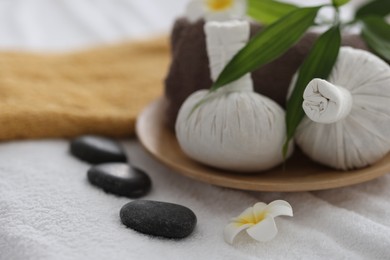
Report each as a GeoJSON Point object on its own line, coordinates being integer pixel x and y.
{"type": "Point", "coordinates": [219, 5]}
{"type": "Point", "coordinates": [251, 218]}
{"type": "Point", "coordinates": [260, 217]}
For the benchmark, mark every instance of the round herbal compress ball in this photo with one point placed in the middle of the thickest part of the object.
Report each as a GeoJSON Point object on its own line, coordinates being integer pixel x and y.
{"type": "Point", "coordinates": [234, 128]}
{"type": "Point", "coordinates": [240, 131]}
{"type": "Point", "coordinates": [348, 117]}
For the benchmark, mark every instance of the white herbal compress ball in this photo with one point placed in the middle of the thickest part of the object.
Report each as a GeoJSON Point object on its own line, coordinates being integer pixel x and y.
{"type": "Point", "coordinates": [348, 118]}
{"type": "Point", "coordinates": [235, 129]}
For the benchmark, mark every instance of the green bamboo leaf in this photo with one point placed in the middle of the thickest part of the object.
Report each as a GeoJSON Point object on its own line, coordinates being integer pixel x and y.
{"type": "Point", "coordinates": [318, 64]}
{"type": "Point", "coordinates": [268, 11]}
{"type": "Point", "coordinates": [376, 33]}
{"type": "Point", "coordinates": [376, 7]}
{"type": "Point", "coordinates": [268, 45]}
{"type": "Point", "coordinates": [339, 3]}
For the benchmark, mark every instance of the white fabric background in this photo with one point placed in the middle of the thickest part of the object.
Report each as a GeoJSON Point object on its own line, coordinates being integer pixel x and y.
{"type": "Point", "coordinates": [68, 24]}
{"type": "Point", "coordinates": [48, 210]}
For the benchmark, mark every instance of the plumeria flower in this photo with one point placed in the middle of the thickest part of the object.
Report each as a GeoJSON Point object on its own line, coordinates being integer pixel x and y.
{"type": "Point", "coordinates": [216, 10]}
{"type": "Point", "coordinates": [258, 221]}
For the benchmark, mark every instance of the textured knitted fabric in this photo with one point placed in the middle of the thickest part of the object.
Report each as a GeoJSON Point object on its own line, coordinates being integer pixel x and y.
{"type": "Point", "coordinates": [98, 91]}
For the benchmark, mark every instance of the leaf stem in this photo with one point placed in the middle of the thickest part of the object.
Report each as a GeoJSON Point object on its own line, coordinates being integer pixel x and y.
{"type": "Point", "coordinates": [337, 19]}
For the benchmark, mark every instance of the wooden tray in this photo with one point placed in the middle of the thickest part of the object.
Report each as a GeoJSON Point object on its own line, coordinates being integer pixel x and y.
{"type": "Point", "coordinates": [300, 174]}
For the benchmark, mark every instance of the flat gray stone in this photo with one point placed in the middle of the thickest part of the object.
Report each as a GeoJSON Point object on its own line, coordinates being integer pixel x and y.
{"type": "Point", "coordinates": [97, 149]}
{"type": "Point", "coordinates": [158, 218]}
{"type": "Point", "coordinates": [120, 179]}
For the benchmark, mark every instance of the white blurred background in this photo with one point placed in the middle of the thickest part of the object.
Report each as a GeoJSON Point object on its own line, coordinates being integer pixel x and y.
{"type": "Point", "coordinates": [68, 24]}
{"type": "Point", "coordinates": [57, 25]}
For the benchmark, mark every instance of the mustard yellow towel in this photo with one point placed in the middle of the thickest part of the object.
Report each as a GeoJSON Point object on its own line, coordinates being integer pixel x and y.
{"type": "Point", "coordinates": [98, 91]}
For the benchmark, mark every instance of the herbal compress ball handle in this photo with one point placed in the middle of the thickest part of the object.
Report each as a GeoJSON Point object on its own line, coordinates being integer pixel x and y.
{"type": "Point", "coordinates": [223, 42]}
{"type": "Point", "coordinates": [325, 102]}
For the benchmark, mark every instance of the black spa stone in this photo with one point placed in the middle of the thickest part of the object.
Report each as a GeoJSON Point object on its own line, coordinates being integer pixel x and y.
{"type": "Point", "coordinates": [158, 218]}
{"type": "Point", "coordinates": [97, 149]}
{"type": "Point", "coordinates": [120, 179]}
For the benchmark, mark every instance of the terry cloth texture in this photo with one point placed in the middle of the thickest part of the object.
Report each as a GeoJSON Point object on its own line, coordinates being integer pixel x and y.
{"type": "Point", "coordinates": [98, 91]}
{"type": "Point", "coordinates": [49, 211]}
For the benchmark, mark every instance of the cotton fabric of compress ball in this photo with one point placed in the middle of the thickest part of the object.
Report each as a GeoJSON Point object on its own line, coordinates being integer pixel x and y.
{"type": "Point", "coordinates": [362, 137]}
{"type": "Point", "coordinates": [240, 131]}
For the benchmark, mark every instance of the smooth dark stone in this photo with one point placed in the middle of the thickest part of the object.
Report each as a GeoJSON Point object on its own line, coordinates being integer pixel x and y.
{"type": "Point", "coordinates": [158, 218]}
{"type": "Point", "coordinates": [120, 179]}
{"type": "Point", "coordinates": [96, 149]}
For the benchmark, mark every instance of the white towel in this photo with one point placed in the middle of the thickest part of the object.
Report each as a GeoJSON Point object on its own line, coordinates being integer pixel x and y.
{"type": "Point", "coordinates": [48, 210]}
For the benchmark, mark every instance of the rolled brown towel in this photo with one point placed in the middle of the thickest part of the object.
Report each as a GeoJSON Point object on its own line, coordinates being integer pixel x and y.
{"type": "Point", "coordinates": [189, 70]}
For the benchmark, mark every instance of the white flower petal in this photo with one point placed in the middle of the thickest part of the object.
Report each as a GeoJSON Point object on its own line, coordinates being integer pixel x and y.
{"type": "Point", "coordinates": [264, 231]}
{"type": "Point", "coordinates": [245, 216]}
{"type": "Point", "coordinates": [239, 9]}
{"type": "Point", "coordinates": [259, 206]}
{"type": "Point", "coordinates": [259, 211]}
{"type": "Point", "coordinates": [279, 208]}
{"type": "Point", "coordinates": [221, 16]}
{"type": "Point", "coordinates": [195, 10]}
{"type": "Point", "coordinates": [232, 230]}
